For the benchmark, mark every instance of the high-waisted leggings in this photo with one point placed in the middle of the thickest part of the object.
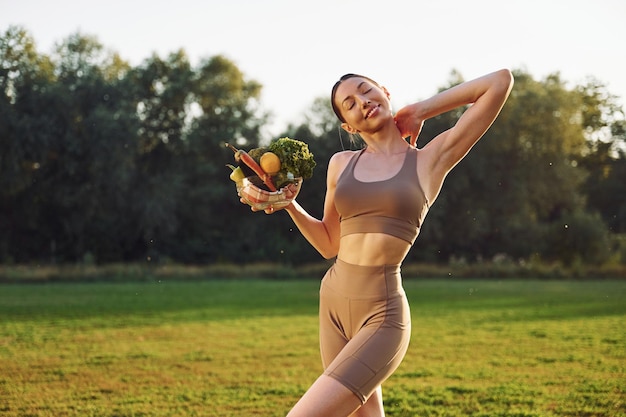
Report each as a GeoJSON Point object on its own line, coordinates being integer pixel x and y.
{"type": "Point", "coordinates": [365, 325]}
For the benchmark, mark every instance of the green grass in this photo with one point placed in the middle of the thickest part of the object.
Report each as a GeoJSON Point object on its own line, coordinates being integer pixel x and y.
{"type": "Point", "coordinates": [250, 348]}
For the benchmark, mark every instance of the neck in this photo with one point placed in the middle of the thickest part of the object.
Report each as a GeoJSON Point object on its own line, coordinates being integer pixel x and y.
{"type": "Point", "coordinates": [386, 142]}
{"type": "Point", "coordinates": [373, 149]}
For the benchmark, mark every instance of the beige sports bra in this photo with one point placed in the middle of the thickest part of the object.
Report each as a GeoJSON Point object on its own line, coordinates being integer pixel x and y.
{"type": "Point", "coordinates": [396, 206]}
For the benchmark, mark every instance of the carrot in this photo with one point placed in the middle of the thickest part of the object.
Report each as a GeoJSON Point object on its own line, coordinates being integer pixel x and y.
{"type": "Point", "coordinates": [242, 155]}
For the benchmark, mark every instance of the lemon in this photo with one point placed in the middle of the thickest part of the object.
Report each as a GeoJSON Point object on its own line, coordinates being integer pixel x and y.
{"type": "Point", "coordinates": [270, 163]}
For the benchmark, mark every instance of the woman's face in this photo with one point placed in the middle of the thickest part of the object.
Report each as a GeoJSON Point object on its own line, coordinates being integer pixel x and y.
{"type": "Point", "coordinates": [363, 105]}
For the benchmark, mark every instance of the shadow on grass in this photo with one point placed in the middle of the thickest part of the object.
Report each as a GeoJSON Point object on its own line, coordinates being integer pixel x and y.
{"type": "Point", "coordinates": [157, 301]}
{"type": "Point", "coordinates": [175, 301]}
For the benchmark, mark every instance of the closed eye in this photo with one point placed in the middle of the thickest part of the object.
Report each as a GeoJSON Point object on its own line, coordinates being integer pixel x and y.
{"type": "Point", "coordinates": [349, 103]}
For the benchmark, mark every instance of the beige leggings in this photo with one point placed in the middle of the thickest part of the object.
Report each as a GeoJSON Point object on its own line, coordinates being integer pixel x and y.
{"type": "Point", "coordinates": [365, 325]}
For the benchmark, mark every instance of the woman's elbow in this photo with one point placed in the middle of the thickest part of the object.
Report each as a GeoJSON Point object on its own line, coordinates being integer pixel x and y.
{"type": "Point", "coordinates": [329, 251]}
{"type": "Point", "coordinates": [505, 78]}
{"type": "Point", "coordinates": [501, 84]}
{"type": "Point", "coordinates": [328, 254]}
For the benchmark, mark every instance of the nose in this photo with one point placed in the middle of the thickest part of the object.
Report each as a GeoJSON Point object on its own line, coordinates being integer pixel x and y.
{"type": "Point", "coordinates": [363, 101]}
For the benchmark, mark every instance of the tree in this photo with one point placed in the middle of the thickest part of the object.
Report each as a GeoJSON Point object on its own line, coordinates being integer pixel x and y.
{"type": "Point", "coordinates": [225, 109]}
{"type": "Point", "coordinates": [24, 76]}
{"type": "Point", "coordinates": [519, 180]}
{"type": "Point", "coordinates": [87, 170]}
{"type": "Point", "coordinates": [104, 162]}
{"type": "Point", "coordinates": [161, 90]}
{"type": "Point", "coordinates": [605, 159]}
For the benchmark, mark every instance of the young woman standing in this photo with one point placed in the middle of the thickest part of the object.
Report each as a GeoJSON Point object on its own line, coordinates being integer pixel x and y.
{"type": "Point", "coordinates": [375, 203]}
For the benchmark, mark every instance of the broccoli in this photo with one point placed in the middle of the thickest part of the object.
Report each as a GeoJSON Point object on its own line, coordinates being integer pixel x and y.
{"type": "Point", "coordinates": [295, 157]}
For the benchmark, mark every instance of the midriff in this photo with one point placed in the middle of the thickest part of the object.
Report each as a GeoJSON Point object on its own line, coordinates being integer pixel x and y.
{"type": "Point", "coordinates": [372, 249]}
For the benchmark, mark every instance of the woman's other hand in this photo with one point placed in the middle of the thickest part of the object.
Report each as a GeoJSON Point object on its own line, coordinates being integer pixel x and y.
{"type": "Point", "coordinates": [409, 122]}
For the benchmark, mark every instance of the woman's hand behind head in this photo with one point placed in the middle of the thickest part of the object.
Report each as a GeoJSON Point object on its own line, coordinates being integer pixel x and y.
{"type": "Point", "coordinates": [409, 122]}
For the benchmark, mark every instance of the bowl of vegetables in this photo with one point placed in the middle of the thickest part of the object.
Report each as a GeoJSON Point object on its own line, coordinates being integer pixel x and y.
{"type": "Point", "coordinates": [271, 177]}
{"type": "Point", "coordinates": [252, 192]}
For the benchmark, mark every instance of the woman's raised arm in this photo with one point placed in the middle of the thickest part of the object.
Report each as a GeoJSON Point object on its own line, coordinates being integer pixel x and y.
{"type": "Point", "coordinates": [486, 95]}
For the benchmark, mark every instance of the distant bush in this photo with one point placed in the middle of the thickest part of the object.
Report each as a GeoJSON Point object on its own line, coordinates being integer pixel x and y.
{"type": "Point", "coordinates": [498, 269]}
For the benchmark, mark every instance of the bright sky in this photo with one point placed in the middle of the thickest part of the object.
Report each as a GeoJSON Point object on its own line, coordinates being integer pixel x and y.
{"type": "Point", "coordinates": [297, 50]}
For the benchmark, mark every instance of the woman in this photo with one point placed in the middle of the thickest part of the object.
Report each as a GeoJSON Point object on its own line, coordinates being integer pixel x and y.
{"type": "Point", "coordinates": [376, 200]}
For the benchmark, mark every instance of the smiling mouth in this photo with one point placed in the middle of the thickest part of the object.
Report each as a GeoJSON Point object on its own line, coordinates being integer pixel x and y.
{"type": "Point", "coordinates": [369, 113]}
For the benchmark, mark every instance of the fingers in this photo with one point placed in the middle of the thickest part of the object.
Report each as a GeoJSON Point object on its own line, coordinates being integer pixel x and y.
{"type": "Point", "coordinates": [404, 129]}
{"type": "Point", "coordinates": [269, 210]}
{"type": "Point", "coordinates": [243, 201]}
{"type": "Point", "coordinates": [272, 209]}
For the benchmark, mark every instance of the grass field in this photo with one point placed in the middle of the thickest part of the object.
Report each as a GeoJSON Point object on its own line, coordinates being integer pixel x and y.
{"type": "Point", "coordinates": [250, 348]}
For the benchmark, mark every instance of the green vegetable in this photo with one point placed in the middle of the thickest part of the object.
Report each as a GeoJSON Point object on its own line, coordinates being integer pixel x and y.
{"type": "Point", "coordinates": [296, 160]}
{"type": "Point", "coordinates": [257, 153]}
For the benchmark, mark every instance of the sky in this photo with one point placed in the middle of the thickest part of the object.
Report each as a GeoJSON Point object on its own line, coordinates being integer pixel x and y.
{"type": "Point", "coordinates": [297, 50]}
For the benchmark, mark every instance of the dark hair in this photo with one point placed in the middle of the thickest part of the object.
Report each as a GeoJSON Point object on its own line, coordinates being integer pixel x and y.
{"type": "Point", "coordinates": [334, 91]}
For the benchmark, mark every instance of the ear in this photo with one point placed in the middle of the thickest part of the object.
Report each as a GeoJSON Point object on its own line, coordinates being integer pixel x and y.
{"type": "Point", "coordinates": [348, 128]}
{"type": "Point", "coordinates": [388, 95]}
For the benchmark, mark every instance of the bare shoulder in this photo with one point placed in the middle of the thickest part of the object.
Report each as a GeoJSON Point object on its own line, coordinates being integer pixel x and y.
{"type": "Point", "coordinates": [338, 162]}
{"type": "Point", "coordinates": [340, 159]}
{"type": "Point", "coordinates": [343, 155]}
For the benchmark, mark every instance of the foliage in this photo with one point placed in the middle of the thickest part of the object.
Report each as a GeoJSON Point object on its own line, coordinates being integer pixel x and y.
{"type": "Point", "coordinates": [519, 184]}
{"type": "Point", "coordinates": [103, 162]}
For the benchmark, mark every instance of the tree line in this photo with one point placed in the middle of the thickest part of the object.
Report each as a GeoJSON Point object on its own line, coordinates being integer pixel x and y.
{"type": "Point", "coordinates": [107, 162]}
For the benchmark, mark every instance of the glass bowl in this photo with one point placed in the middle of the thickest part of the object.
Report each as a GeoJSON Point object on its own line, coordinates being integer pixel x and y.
{"type": "Point", "coordinates": [260, 199]}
